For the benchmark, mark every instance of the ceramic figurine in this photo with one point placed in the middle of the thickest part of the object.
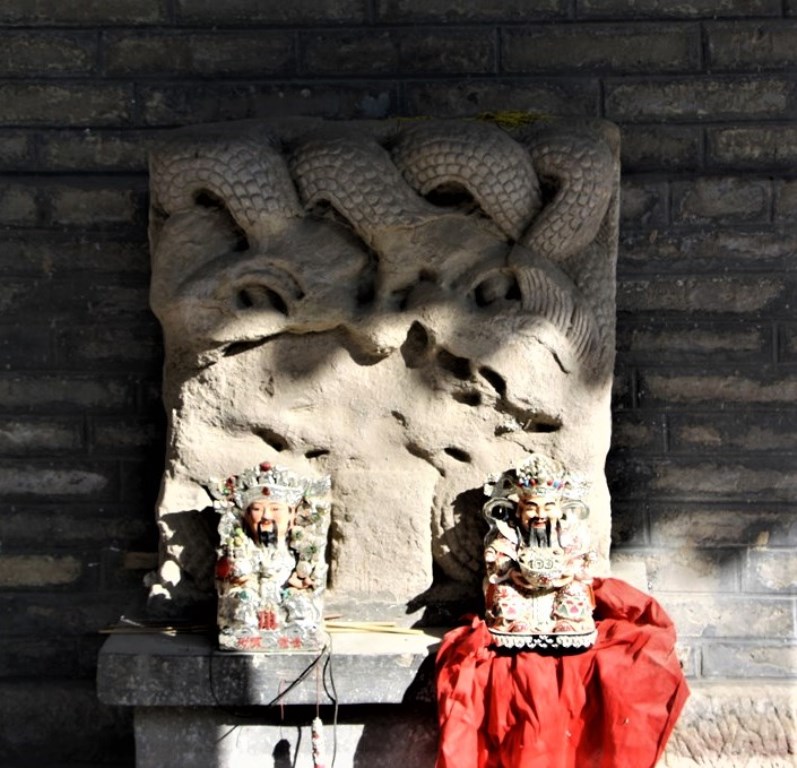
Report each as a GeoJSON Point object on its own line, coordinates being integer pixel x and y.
{"type": "Point", "coordinates": [271, 571]}
{"type": "Point", "coordinates": [537, 586]}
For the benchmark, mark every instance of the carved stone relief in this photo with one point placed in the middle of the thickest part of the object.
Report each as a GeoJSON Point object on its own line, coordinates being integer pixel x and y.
{"type": "Point", "coordinates": [406, 306]}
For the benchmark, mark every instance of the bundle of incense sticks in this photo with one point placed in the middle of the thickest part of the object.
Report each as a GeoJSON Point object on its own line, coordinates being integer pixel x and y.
{"type": "Point", "coordinates": [369, 626]}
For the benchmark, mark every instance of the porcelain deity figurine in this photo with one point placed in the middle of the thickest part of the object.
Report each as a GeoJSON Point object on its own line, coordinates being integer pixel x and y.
{"type": "Point", "coordinates": [537, 556]}
{"type": "Point", "coordinates": [271, 569]}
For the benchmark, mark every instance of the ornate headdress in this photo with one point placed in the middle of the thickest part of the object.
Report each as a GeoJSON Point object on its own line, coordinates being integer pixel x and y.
{"type": "Point", "coordinates": [266, 482]}
{"type": "Point", "coordinates": [536, 475]}
{"type": "Point", "coordinates": [540, 475]}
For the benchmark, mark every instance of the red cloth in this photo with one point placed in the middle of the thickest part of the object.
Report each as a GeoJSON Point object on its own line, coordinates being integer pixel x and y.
{"type": "Point", "coordinates": [611, 706]}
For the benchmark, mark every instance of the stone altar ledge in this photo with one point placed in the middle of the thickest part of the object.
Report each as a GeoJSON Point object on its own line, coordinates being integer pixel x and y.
{"type": "Point", "coordinates": [189, 671]}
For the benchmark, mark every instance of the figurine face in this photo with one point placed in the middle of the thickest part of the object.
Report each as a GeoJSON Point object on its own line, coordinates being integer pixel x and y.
{"type": "Point", "coordinates": [269, 517]}
{"type": "Point", "coordinates": [533, 509]}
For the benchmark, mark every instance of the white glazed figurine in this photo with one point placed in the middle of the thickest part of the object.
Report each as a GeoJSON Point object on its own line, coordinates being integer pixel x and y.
{"type": "Point", "coordinates": [271, 571]}
{"type": "Point", "coordinates": [537, 557]}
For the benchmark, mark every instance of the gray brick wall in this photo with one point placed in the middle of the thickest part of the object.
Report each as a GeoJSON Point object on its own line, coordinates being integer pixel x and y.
{"type": "Point", "coordinates": [703, 464]}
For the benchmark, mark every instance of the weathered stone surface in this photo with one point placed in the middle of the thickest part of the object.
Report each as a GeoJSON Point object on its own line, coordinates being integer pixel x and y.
{"type": "Point", "coordinates": [437, 347]}
{"type": "Point", "coordinates": [738, 725]}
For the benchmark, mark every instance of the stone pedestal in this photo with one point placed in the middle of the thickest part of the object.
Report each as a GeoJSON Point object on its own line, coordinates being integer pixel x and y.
{"type": "Point", "coordinates": [197, 707]}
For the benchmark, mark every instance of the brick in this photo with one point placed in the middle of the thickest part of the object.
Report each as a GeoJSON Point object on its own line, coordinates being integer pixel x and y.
{"type": "Point", "coordinates": [64, 393]}
{"type": "Point", "coordinates": [89, 150]}
{"type": "Point", "coordinates": [69, 612]}
{"type": "Point", "coordinates": [474, 96]}
{"type": "Point", "coordinates": [44, 479]}
{"type": "Point", "coordinates": [127, 435]}
{"type": "Point", "coordinates": [738, 432]}
{"type": "Point", "coordinates": [786, 201]}
{"type": "Point", "coordinates": [249, 12]}
{"type": "Point", "coordinates": [682, 478]}
{"type": "Point", "coordinates": [660, 148]}
{"type": "Point", "coordinates": [39, 571]}
{"type": "Point", "coordinates": [121, 571]}
{"type": "Point", "coordinates": [787, 343]}
{"type": "Point", "coordinates": [757, 147]}
{"type": "Point", "coordinates": [688, 657]}
{"type": "Point", "coordinates": [188, 104]}
{"type": "Point", "coordinates": [629, 526]}
{"type": "Point", "coordinates": [637, 431]}
{"type": "Point", "coordinates": [121, 348]}
{"type": "Point", "coordinates": [678, 8]}
{"type": "Point", "coordinates": [80, 729]}
{"type": "Point", "coordinates": [719, 388]}
{"type": "Point", "coordinates": [409, 51]}
{"type": "Point", "coordinates": [725, 616]}
{"type": "Point", "coordinates": [723, 200]}
{"type": "Point", "coordinates": [25, 435]}
{"type": "Point", "coordinates": [86, 12]}
{"type": "Point", "coordinates": [15, 150]}
{"type": "Point", "coordinates": [751, 45]}
{"type": "Point", "coordinates": [216, 54]}
{"type": "Point", "coordinates": [76, 525]}
{"type": "Point", "coordinates": [689, 524]}
{"type": "Point", "coordinates": [504, 11]}
{"type": "Point", "coordinates": [23, 298]}
{"type": "Point", "coordinates": [83, 204]}
{"type": "Point", "coordinates": [46, 53]}
{"type": "Point", "coordinates": [707, 98]}
{"type": "Point", "coordinates": [80, 104]}
{"type": "Point", "coordinates": [711, 250]}
{"type": "Point", "coordinates": [141, 480]}
{"type": "Point", "coordinates": [54, 254]}
{"type": "Point", "coordinates": [643, 203]}
{"type": "Point", "coordinates": [771, 570]}
{"type": "Point", "coordinates": [18, 205]}
{"type": "Point", "coordinates": [749, 660]}
{"type": "Point", "coordinates": [675, 343]}
{"type": "Point", "coordinates": [687, 570]}
{"type": "Point", "coordinates": [626, 48]}
{"type": "Point", "coordinates": [623, 388]}
{"type": "Point", "coordinates": [350, 52]}
{"type": "Point", "coordinates": [24, 346]}
{"type": "Point", "coordinates": [102, 302]}
{"type": "Point", "coordinates": [702, 294]}
{"type": "Point", "coordinates": [36, 657]}
{"type": "Point", "coordinates": [350, 101]}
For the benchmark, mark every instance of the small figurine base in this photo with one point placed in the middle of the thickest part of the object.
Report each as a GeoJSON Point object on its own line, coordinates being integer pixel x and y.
{"type": "Point", "coordinates": [557, 641]}
{"type": "Point", "coordinates": [273, 642]}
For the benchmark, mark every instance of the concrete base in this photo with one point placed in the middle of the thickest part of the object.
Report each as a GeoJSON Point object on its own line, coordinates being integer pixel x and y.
{"type": "Point", "coordinates": [196, 707]}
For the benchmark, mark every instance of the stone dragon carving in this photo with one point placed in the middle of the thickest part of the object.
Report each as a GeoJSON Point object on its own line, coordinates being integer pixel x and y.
{"type": "Point", "coordinates": [461, 257]}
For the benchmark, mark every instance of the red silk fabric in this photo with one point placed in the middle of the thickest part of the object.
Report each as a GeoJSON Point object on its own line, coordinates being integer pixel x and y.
{"type": "Point", "coordinates": [611, 706]}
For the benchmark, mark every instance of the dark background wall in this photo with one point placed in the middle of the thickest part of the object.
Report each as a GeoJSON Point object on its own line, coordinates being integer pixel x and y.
{"type": "Point", "coordinates": [703, 465]}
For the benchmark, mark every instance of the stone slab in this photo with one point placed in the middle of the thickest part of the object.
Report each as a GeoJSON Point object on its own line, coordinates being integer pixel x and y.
{"type": "Point", "coordinates": [187, 670]}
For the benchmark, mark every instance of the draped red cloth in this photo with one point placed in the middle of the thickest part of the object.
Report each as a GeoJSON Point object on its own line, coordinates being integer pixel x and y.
{"type": "Point", "coordinates": [611, 706]}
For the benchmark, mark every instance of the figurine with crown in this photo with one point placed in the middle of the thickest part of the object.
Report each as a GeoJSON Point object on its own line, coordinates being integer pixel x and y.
{"type": "Point", "coordinates": [537, 557]}
{"type": "Point", "coordinates": [271, 568]}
